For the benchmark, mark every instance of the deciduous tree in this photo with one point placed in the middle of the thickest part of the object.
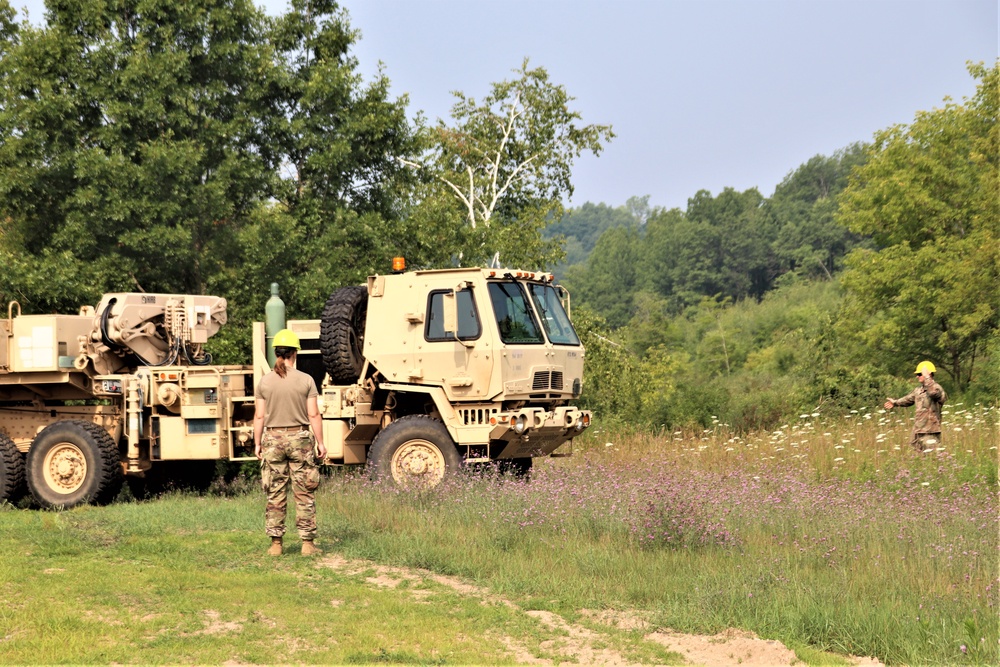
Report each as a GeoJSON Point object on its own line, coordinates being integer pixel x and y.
{"type": "Point", "coordinates": [190, 147]}
{"type": "Point", "coordinates": [929, 195]}
{"type": "Point", "coordinates": [506, 164]}
{"type": "Point", "coordinates": [132, 146]}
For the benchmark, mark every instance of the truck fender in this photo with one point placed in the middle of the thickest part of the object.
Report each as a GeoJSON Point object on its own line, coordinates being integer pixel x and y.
{"type": "Point", "coordinates": [447, 411]}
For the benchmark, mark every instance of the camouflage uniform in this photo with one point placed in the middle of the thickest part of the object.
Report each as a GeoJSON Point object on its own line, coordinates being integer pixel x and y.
{"type": "Point", "coordinates": [927, 420]}
{"type": "Point", "coordinates": [289, 455]}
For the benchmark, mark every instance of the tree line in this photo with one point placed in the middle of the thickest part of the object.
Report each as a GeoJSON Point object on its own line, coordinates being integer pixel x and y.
{"type": "Point", "coordinates": [745, 310]}
{"type": "Point", "coordinates": [205, 147]}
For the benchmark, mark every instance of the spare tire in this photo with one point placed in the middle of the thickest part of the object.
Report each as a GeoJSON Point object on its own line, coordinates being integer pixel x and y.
{"type": "Point", "coordinates": [342, 333]}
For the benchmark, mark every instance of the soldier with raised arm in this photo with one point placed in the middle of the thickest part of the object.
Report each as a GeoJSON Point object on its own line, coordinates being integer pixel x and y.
{"type": "Point", "coordinates": [928, 397]}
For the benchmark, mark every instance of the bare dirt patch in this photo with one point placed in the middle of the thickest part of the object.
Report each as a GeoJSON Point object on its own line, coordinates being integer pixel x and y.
{"type": "Point", "coordinates": [732, 647]}
{"type": "Point", "coordinates": [576, 644]}
{"type": "Point", "coordinates": [622, 620]}
{"type": "Point", "coordinates": [390, 577]}
{"type": "Point", "coordinates": [215, 626]}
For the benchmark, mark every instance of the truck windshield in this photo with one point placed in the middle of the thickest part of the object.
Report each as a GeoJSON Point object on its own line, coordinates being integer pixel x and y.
{"type": "Point", "coordinates": [514, 317]}
{"type": "Point", "coordinates": [554, 318]}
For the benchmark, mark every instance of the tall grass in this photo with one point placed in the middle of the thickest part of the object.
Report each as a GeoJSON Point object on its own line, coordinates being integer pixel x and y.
{"type": "Point", "coordinates": [827, 533]}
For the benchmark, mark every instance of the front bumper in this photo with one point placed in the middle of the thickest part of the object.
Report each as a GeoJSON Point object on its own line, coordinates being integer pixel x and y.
{"type": "Point", "coordinates": [532, 432]}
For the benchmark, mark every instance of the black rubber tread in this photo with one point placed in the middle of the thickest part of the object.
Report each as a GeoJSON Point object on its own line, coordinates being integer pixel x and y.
{"type": "Point", "coordinates": [104, 478]}
{"type": "Point", "coordinates": [408, 428]}
{"type": "Point", "coordinates": [12, 484]}
{"type": "Point", "coordinates": [342, 333]}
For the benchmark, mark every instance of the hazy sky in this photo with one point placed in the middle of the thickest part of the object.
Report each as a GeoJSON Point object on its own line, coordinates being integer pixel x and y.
{"type": "Point", "coordinates": [702, 94]}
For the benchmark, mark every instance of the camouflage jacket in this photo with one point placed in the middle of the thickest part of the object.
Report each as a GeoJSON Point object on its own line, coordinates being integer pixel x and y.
{"type": "Point", "coordinates": [928, 400]}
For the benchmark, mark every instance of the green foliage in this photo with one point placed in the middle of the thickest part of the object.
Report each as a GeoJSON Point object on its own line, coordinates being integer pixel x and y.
{"type": "Point", "coordinates": [809, 240]}
{"type": "Point", "coordinates": [615, 380]}
{"type": "Point", "coordinates": [505, 165]}
{"type": "Point", "coordinates": [131, 155]}
{"type": "Point", "coordinates": [909, 225]}
{"type": "Point", "coordinates": [719, 246]}
{"type": "Point", "coordinates": [748, 365]}
{"type": "Point", "coordinates": [344, 189]}
{"type": "Point", "coordinates": [607, 283]}
{"type": "Point", "coordinates": [735, 245]}
{"type": "Point", "coordinates": [580, 228]}
{"type": "Point", "coordinates": [928, 196]}
{"type": "Point", "coordinates": [194, 147]}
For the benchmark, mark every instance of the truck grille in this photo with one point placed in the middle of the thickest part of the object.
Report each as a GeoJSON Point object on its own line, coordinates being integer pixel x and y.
{"type": "Point", "coordinates": [547, 380]}
{"type": "Point", "coordinates": [474, 416]}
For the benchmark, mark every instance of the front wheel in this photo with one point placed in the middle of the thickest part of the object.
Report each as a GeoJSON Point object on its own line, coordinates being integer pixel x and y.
{"type": "Point", "coordinates": [72, 463]}
{"type": "Point", "coordinates": [415, 452]}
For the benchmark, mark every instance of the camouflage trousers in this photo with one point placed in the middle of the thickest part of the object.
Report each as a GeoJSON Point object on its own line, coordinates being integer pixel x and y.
{"type": "Point", "coordinates": [289, 456]}
{"type": "Point", "coordinates": [923, 442]}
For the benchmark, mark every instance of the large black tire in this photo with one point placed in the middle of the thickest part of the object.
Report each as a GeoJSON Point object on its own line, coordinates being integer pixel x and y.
{"type": "Point", "coordinates": [414, 453]}
{"type": "Point", "coordinates": [72, 463]}
{"type": "Point", "coordinates": [342, 333]}
{"type": "Point", "coordinates": [12, 487]}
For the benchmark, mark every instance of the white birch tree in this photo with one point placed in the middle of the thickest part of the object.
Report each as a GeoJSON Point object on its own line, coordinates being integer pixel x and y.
{"type": "Point", "coordinates": [505, 165]}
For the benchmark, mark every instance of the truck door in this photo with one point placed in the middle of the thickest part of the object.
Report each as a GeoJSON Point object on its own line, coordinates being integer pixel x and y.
{"type": "Point", "coordinates": [454, 351]}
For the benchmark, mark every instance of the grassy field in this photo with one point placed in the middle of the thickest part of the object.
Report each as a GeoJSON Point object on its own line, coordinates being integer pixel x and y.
{"type": "Point", "coordinates": [828, 534]}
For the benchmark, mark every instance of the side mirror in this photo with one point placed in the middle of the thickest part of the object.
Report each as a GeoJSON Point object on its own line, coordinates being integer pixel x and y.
{"type": "Point", "coordinates": [449, 305]}
{"type": "Point", "coordinates": [564, 299]}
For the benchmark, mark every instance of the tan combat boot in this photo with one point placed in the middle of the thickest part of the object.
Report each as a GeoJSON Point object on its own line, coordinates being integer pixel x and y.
{"type": "Point", "coordinates": [309, 549]}
{"type": "Point", "coordinates": [275, 549]}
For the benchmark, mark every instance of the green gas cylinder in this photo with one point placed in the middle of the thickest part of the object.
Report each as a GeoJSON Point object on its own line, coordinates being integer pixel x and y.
{"type": "Point", "coordinates": [274, 321]}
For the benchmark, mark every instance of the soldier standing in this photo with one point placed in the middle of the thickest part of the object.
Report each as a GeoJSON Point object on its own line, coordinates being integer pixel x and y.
{"type": "Point", "coordinates": [286, 406]}
{"type": "Point", "coordinates": [928, 397]}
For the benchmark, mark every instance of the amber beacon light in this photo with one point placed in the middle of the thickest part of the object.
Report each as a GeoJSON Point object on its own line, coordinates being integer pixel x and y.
{"type": "Point", "coordinates": [399, 264]}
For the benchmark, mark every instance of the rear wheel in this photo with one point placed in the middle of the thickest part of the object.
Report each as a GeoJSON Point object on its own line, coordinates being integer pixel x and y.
{"type": "Point", "coordinates": [72, 463]}
{"type": "Point", "coordinates": [342, 333]}
{"type": "Point", "coordinates": [414, 453]}
{"type": "Point", "coordinates": [12, 487]}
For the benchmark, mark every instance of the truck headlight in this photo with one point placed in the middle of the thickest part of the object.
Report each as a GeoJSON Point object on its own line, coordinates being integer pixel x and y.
{"type": "Point", "coordinates": [520, 423]}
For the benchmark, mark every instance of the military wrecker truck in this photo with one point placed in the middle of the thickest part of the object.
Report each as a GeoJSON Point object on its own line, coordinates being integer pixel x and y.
{"type": "Point", "coordinates": [420, 373]}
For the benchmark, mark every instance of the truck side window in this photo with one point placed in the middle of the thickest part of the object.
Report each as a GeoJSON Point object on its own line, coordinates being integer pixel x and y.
{"type": "Point", "coordinates": [468, 317]}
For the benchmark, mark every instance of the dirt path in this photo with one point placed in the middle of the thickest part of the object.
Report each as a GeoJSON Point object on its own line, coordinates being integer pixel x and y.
{"type": "Point", "coordinates": [586, 646]}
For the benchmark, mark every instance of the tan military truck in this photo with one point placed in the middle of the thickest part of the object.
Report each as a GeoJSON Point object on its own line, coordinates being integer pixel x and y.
{"type": "Point", "coordinates": [430, 370]}
{"type": "Point", "coordinates": [420, 372]}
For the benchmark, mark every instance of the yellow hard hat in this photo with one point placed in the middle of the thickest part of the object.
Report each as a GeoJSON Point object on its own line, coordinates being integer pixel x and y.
{"type": "Point", "coordinates": [925, 366]}
{"type": "Point", "coordinates": [286, 338]}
